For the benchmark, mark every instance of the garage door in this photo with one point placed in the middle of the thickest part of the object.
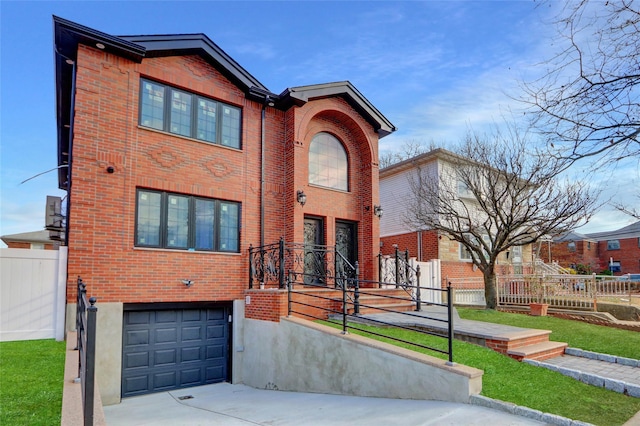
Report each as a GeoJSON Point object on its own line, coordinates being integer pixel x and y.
{"type": "Point", "coordinates": [173, 348]}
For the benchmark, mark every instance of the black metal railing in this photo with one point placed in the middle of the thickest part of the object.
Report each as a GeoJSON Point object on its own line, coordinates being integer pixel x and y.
{"type": "Point", "coordinates": [86, 347]}
{"type": "Point", "coordinates": [350, 306]}
{"type": "Point", "coordinates": [397, 270]}
{"type": "Point", "coordinates": [317, 265]}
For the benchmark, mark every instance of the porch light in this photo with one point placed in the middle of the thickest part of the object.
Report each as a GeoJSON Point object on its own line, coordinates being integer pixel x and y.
{"type": "Point", "coordinates": [377, 210]}
{"type": "Point", "coordinates": [301, 197]}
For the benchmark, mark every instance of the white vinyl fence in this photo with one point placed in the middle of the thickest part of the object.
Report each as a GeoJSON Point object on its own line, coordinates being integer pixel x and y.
{"type": "Point", "coordinates": [32, 296]}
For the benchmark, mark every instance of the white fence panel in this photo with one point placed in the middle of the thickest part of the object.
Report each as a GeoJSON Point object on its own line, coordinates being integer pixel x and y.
{"type": "Point", "coordinates": [429, 279]}
{"type": "Point", "coordinates": [32, 294]}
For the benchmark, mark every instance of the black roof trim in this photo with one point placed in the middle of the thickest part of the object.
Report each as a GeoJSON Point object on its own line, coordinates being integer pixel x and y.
{"type": "Point", "coordinates": [200, 44]}
{"type": "Point", "coordinates": [303, 94]}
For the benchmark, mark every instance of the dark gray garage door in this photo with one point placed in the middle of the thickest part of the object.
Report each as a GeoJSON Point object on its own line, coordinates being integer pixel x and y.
{"type": "Point", "coordinates": [173, 348]}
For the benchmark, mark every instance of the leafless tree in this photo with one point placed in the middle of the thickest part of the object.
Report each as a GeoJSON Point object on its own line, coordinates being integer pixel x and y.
{"type": "Point", "coordinates": [588, 103]}
{"type": "Point", "coordinates": [492, 194]}
{"type": "Point", "coordinates": [409, 149]}
{"type": "Point", "coordinates": [634, 212]}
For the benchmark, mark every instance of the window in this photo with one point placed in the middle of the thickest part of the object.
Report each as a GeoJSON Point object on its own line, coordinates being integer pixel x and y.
{"type": "Point", "coordinates": [613, 245]}
{"type": "Point", "coordinates": [588, 245]}
{"type": "Point", "coordinates": [187, 114]}
{"type": "Point", "coordinates": [465, 254]}
{"type": "Point", "coordinates": [184, 222]}
{"type": "Point", "coordinates": [463, 190]}
{"type": "Point", "coordinates": [328, 165]}
{"type": "Point", "coordinates": [571, 246]}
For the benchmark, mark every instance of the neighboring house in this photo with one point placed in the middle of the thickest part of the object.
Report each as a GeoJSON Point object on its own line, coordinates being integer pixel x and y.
{"type": "Point", "coordinates": [617, 251]}
{"type": "Point", "coordinates": [396, 195]}
{"type": "Point", "coordinates": [31, 240]}
{"type": "Point", "coordinates": [176, 160]}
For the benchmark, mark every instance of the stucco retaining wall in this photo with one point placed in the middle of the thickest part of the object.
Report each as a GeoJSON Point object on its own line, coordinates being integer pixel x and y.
{"type": "Point", "coordinates": [299, 355]}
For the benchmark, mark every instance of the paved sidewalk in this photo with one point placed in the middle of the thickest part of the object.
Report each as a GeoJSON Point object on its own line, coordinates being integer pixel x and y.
{"type": "Point", "coordinates": [623, 373]}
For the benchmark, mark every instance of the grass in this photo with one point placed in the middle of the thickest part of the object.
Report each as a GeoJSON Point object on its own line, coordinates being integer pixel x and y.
{"type": "Point", "coordinates": [589, 337]}
{"type": "Point", "coordinates": [32, 377]}
{"type": "Point", "coordinates": [522, 384]}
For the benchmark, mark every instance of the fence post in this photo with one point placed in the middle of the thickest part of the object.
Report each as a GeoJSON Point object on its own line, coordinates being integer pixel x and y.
{"type": "Point", "coordinates": [450, 323]}
{"type": "Point", "coordinates": [250, 266]}
{"type": "Point", "coordinates": [90, 363]}
{"type": "Point", "coordinates": [289, 287]}
{"type": "Point", "coordinates": [418, 302]}
{"type": "Point", "coordinates": [397, 268]}
{"type": "Point", "coordinates": [356, 292]}
{"type": "Point", "coordinates": [344, 309]}
{"type": "Point", "coordinates": [281, 261]}
{"type": "Point", "coordinates": [379, 269]}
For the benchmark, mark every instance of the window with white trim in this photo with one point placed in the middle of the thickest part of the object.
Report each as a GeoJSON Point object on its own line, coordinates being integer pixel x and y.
{"type": "Point", "coordinates": [613, 245]}
{"type": "Point", "coordinates": [186, 114]}
{"type": "Point", "coordinates": [184, 222]}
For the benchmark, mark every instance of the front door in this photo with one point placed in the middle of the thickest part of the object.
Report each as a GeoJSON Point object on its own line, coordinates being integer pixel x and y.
{"type": "Point", "coordinates": [346, 248]}
{"type": "Point", "coordinates": [314, 252]}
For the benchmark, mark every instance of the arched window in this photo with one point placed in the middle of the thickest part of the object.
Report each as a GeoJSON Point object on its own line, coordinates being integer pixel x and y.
{"type": "Point", "coordinates": [328, 165]}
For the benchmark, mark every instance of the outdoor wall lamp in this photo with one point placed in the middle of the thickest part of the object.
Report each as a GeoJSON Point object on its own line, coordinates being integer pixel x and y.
{"type": "Point", "coordinates": [301, 197]}
{"type": "Point", "coordinates": [188, 283]}
{"type": "Point", "coordinates": [378, 211]}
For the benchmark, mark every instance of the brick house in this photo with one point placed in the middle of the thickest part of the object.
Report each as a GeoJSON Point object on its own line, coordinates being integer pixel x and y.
{"type": "Point", "coordinates": [395, 192]}
{"type": "Point", "coordinates": [618, 251]}
{"type": "Point", "coordinates": [176, 160]}
{"type": "Point", "coordinates": [31, 240]}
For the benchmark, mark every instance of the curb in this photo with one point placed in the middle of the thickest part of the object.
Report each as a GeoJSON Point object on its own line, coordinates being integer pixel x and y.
{"type": "Point", "coordinates": [530, 413]}
{"type": "Point", "coordinates": [602, 357]}
{"type": "Point", "coordinates": [591, 379]}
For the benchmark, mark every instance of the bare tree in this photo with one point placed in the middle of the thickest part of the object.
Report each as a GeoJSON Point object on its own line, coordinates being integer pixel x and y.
{"type": "Point", "coordinates": [492, 194]}
{"type": "Point", "coordinates": [588, 103]}
{"type": "Point", "coordinates": [409, 149]}
{"type": "Point", "coordinates": [634, 212]}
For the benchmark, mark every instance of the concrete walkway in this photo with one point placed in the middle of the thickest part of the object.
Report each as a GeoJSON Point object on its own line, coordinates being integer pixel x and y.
{"type": "Point", "coordinates": [239, 405]}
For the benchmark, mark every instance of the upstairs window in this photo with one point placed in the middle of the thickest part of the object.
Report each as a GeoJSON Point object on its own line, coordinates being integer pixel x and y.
{"type": "Point", "coordinates": [572, 246]}
{"type": "Point", "coordinates": [613, 245]}
{"type": "Point", "coordinates": [186, 114]}
{"type": "Point", "coordinates": [328, 165]}
{"type": "Point", "coordinates": [183, 222]}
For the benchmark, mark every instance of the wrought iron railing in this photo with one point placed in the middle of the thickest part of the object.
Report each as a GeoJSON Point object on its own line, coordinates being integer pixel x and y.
{"type": "Point", "coordinates": [397, 270]}
{"type": "Point", "coordinates": [86, 312]}
{"type": "Point", "coordinates": [317, 265]}
{"type": "Point", "coordinates": [348, 311]}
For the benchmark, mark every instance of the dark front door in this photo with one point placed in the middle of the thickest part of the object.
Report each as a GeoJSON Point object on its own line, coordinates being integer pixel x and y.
{"type": "Point", "coordinates": [346, 248]}
{"type": "Point", "coordinates": [314, 252]}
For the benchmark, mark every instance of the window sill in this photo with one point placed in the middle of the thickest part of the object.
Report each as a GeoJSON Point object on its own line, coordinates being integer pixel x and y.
{"type": "Point", "coordinates": [164, 250]}
{"type": "Point", "coordinates": [150, 129]}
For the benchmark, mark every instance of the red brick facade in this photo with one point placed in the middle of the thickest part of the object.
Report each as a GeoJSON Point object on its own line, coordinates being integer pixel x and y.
{"type": "Point", "coordinates": [596, 251]}
{"type": "Point", "coordinates": [102, 204]}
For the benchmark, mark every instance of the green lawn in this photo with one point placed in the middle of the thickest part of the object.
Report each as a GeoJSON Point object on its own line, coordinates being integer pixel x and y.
{"type": "Point", "coordinates": [589, 337]}
{"type": "Point", "coordinates": [31, 381]}
{"type": "Point", "coordinates": [522, 384]}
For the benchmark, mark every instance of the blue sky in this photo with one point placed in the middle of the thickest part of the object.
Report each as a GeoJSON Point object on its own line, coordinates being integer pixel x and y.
{"type": "Point", "coordinates": [434, 69]}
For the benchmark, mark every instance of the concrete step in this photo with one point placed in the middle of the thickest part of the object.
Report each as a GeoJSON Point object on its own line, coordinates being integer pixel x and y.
{"type": "Point", "coordinates": [538, 351]}
{"type": "Point", "coordinates": [380, 308]}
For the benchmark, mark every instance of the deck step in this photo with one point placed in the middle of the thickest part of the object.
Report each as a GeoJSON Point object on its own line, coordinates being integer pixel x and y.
{"type": "Point", "coordinates": [539, 351]}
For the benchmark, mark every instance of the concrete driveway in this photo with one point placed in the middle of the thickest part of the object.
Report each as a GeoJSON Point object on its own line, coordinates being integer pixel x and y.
{"type": "Point", "coordinates": [239, 405]}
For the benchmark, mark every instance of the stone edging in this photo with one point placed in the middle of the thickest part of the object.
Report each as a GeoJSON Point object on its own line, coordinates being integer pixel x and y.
{"type": "Point", "coordinates": [591, 379]}
{"type": "Point", "coordinates": [518, 410]}
{"type": "Point", "coordinates": [602, 357]}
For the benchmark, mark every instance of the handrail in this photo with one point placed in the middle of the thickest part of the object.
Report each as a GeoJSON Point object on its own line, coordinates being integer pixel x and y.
{"type": "Point", "coordinates": [86, 312]}
{"type": "Point", "coordinates": [350, 300]}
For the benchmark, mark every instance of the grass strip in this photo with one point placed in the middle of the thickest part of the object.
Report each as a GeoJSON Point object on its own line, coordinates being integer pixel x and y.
{"type": "Point", "coordinates": [32, 375]}
{"type": "Point", "coordinates": [509, 380]}
{"type": "Point", "coordinates": [589, 337]}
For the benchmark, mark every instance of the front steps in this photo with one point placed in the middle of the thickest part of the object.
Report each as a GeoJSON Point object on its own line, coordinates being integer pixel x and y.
{"type": "Point", "coordinates": [381, 300]}
{"type": "Point", "coordinates": [526, 344]}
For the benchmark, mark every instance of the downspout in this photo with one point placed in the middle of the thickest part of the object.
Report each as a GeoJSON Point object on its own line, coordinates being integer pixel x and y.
{"type": "Point", "coordinates": [267, 101]}
{"type": "Point", "coordinates": [419, 246]}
